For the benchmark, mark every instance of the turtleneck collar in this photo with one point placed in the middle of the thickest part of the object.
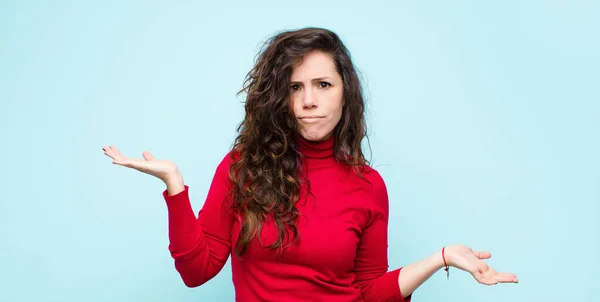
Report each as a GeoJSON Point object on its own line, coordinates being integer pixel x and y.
{"type": "Point", "coordinates": [316, 150]}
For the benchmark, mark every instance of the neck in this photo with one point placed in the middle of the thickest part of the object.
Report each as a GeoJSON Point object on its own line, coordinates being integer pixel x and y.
{"type": "Point", "coordinates": [314, 149]}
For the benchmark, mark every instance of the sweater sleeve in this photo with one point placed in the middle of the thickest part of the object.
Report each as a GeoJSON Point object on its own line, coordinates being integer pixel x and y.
{"type": "Point", "coordinates": [371, 264]}
{"type": "Point", "coordinates": [201, 246]}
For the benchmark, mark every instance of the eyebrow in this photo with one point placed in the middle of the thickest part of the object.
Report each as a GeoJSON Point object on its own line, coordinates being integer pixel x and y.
{"type": "Point", "coordinates": [314, 80]}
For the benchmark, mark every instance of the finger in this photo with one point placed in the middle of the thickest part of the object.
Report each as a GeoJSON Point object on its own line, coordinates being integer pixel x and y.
{"type": "Point", "coordinates": [491, 277]}
{"type": "Point", "coordinates": [116, 150]}
{"type": "Point", "coordinates": [121, 162]}
{"type": "Point", "coordinates": [109, 152]}
{"type": "Point", "coordinates": [482, 255]}
{"type": "Point", "coordinates": [147, 155]}
{"type": "Point", "coordinates": [506, 277]}
{"type": "Point", "coordinates": [499, 280]}
{"type": "Point", "coordinates": [107, 149]}
{"type": "Point", "coordinates": [484, 279]}
{"type": "Point", "coordinates": [126, 163]}
{"type": "Point", "coordinates": [114, 153]}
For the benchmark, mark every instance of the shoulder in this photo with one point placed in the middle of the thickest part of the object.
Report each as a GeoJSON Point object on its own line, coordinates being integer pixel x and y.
{"type": "Point", "coordinates": [229, 159]}
{"type": "Point", "coordinates": [372, 176]}
{"type": "Point", "coordinates": [378, 187]}
{"type": "Point", "coordinates": [223, 167]}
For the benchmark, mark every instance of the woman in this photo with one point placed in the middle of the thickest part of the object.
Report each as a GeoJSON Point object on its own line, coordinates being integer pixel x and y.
{"type": "Point", "coordinates": [295, 201]}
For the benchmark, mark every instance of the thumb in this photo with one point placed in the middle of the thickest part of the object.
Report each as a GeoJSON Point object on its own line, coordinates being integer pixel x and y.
{"type": "Point", "coordinates": [482, 255]}
{"type": "Point", "coordinates": [147, 155]}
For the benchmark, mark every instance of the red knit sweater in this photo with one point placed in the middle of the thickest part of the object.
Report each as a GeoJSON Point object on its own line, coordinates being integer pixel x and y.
{"type": "Point", "coordinates": [341, 254]}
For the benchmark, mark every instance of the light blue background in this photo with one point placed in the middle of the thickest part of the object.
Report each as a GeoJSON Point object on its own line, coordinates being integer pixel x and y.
{"type": "Point", "coordinates": [484, 121]}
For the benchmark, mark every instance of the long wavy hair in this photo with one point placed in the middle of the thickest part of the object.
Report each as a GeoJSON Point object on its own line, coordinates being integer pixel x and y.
{"type": "Point", "coordinates": [266, 164]}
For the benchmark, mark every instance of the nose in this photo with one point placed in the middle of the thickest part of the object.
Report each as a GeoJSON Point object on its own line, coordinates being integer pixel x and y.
{"type": "Point", "coordinates": [309, 99]}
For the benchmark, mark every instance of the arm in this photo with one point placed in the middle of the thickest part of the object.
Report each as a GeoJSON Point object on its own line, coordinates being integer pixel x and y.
{"type": "Point", "coordinates": [459, 256]}
{"type": "Point", "coordinates": [371, 264]}
{"type": "Point", "coordinates": [200, 246]}
{"type": "Point", "coordinates": [415, 274]}
{"type": "Point", "coordinates": [398, 284]}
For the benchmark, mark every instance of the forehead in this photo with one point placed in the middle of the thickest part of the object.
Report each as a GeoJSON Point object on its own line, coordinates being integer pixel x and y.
{"type": "Point", "coordinates": [314, 64]}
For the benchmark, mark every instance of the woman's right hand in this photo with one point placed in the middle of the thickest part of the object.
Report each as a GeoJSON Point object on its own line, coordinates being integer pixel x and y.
{"type": "Point", "coordinates": [162, 169]}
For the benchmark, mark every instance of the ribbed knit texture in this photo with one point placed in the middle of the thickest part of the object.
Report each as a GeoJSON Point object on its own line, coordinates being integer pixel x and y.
{"type": "Point", "coordinates": [341, 254]}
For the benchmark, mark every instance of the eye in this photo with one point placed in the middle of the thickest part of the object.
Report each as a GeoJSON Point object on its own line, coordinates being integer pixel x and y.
{"type": "Point", "coordinates": [324, 85]}
{"type": "Point", "coordinates": [295, 87]}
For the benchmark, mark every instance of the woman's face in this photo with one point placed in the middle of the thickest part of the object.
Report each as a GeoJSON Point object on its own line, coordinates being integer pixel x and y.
{"type": "Point", "coordinates": [316, 96]}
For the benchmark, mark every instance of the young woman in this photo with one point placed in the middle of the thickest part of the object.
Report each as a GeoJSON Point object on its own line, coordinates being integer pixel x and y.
{"type": "Point", "coordinates": [294, 201]}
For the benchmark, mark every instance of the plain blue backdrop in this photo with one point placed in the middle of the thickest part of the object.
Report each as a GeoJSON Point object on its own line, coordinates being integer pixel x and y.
{"type": "Point", "coordinates": [484, 121]}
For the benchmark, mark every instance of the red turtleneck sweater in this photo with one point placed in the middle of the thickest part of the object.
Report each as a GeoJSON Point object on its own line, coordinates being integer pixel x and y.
{"type": "Point", "coordinates": [341, 254]}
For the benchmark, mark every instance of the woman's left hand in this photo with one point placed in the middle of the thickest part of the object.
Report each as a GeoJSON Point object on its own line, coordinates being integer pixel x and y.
{"type": "Point", "coordinates": [464, 258]}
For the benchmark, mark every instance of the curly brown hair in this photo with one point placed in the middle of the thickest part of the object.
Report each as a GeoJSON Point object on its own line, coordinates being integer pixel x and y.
{"type": "Point", "coordinates": [265, 169]}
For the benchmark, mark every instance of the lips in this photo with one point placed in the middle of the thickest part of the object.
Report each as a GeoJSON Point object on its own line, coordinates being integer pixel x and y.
{"type": "Point", "coordinates": [311, 118]}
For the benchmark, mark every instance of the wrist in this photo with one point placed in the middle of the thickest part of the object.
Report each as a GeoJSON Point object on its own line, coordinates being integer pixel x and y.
{"type": "Point", "coordinates": [443, 256]}
{"type": "Point", "coordinates": [173, 177]}
{"type": "Point", "coordinates": [438, 259]}
{"type": "Point", "coordinates": [174, 184]}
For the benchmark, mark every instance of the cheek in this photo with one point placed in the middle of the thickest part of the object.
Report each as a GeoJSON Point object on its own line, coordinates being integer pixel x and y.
{"type": "Point", "coordinates": [338, 109]}
{"type": "Point", "coordinates": [336, 117]}
{"type": "Point", "coordinates": [293, 104]}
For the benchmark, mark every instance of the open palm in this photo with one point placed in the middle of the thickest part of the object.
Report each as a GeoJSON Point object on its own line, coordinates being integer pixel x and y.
{"type": "Point", "coordinates": [148, 165]}
{"type": "Point", "coordinates": [464, 258]}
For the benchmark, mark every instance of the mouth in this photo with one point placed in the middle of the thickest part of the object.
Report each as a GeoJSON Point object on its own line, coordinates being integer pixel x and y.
{"type": "Point", "coordinates": [311, 118]}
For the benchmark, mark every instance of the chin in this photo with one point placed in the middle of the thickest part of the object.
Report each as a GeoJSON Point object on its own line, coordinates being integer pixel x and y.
{"type": "Point", "coordinates": [315, 136]}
